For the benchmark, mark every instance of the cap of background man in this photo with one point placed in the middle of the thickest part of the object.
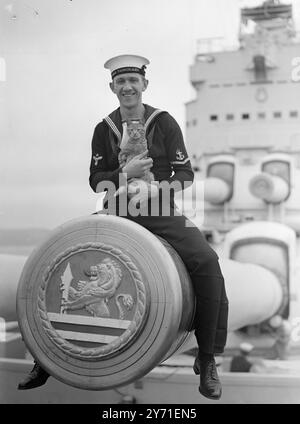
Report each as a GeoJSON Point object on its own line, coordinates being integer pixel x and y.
{"type": "Point", "coordinates": [275, 321]}
{"type": "Point", "coordinates": [126, 63]}
{"type": "Point", "coordinates": [246, 347]}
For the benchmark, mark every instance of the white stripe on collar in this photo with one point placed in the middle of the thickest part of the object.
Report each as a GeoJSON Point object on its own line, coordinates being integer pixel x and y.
{"type": "Point", "coordinates": [151, 117]}
{"type": "Point", "coordinates": [113, 127]}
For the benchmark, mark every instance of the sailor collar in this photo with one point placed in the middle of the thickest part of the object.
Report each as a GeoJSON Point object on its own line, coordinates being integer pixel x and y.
{"type": "Point", "coordinates": [114, 120]}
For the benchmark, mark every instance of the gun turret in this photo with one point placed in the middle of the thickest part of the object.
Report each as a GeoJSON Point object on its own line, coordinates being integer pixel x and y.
{"type": "Point", "coordinates": [103, 301]}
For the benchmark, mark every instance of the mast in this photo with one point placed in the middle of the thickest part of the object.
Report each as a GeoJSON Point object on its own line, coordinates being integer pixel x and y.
{"type": "Point", "coordinates": [263, 31]}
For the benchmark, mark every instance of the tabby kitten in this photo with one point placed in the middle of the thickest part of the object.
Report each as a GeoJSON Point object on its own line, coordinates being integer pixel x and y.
{"type": "Point", "coordinates": [135, 145]}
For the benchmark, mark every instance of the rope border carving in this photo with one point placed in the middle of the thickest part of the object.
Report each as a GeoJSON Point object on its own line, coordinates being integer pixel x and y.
{"type": "Point", "coordinates": [112, 347]}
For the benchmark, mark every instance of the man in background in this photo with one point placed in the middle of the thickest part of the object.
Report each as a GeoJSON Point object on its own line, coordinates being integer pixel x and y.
{"type": "Point", "coordinates": [241, 362]}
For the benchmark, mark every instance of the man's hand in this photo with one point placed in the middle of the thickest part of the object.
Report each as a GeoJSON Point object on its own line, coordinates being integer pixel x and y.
{"type": "Point", "coordinates": [138, 165]}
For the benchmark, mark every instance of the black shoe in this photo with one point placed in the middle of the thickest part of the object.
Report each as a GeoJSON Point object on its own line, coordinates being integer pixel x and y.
{"type": "Point", "coordinates": [210, 385]}
{"type": "Point", "coordinates": [37, 377]}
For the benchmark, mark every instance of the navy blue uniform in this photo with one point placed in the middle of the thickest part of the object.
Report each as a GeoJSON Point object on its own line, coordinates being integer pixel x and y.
{"type": "Point", "coordinates": [170, 163]}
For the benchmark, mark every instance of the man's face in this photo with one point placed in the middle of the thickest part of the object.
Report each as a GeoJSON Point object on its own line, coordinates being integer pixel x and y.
{"type": "Point", "coordinates": [129, 88]}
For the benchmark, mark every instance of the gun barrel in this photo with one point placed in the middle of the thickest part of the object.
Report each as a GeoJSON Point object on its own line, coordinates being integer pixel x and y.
{"type": "Point", "coordinates": [11, 267]}
{"type": "Point", "coordinates": [254, 293]}
{"type": "Point", "coordinates": [216, 191]}
{"type": "Point", "coordinates": [130, 311]}
{"type": "Point", "coordinates": [270, 188]}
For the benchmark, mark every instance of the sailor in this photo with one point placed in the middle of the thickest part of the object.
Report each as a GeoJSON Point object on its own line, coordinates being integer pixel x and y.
{"type": "Point", "coordinates": [281, 330]}
{"type": "Point", "coordinates": [169, 162]}
{"type": "Point", "coordinates": [241, 362]}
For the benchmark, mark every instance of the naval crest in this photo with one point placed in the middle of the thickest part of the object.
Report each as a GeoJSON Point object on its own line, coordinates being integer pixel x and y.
{"type": "Point", "coordinates": [92, 300]}
{"type": "Point", "coordinates": [93, 294]}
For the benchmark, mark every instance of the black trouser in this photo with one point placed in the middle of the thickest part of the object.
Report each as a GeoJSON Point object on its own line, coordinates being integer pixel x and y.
{"type": "Point", "coordinates": [203, 266]}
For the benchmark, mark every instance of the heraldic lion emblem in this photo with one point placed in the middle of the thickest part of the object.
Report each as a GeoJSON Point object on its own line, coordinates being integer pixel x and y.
{"type": "Point", "coordinates": [93, 295]}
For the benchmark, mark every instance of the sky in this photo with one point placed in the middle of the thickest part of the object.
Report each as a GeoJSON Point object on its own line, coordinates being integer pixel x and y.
{"type": "Point", "coordinates": [56, 89]}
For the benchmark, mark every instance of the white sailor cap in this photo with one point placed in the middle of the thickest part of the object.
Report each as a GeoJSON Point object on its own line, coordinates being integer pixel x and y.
{"type": "Point", "coordinates": [246, 347]}
{"type": "Point", "coordinates": [126, 63]}
{"type": "Point", "coordinates": [276, 321]}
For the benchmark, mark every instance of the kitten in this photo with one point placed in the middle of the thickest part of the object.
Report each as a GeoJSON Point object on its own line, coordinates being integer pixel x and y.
{"type": "Point", "coordinates": [136, 144]}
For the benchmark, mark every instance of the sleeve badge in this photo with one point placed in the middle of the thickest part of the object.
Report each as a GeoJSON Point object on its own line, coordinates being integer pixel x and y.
{"type": "Point", "coordinates": [179, 155]}
{"type": "Point", "coordinates": [96, 158]}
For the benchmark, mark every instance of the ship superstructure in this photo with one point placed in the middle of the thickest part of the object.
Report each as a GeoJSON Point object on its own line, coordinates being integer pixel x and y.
{"type": "Point", "coordinates": [245, 120]}
{"type": "Point", "coordinates": [243, 134]}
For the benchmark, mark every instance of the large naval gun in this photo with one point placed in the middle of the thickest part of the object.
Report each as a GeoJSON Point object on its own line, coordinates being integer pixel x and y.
{"type": "Point", "coordinates": [102, 301]}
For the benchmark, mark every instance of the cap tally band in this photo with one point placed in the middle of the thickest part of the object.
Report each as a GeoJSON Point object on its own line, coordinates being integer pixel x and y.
{"type": "Point", "coordinates": [128, 69]}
